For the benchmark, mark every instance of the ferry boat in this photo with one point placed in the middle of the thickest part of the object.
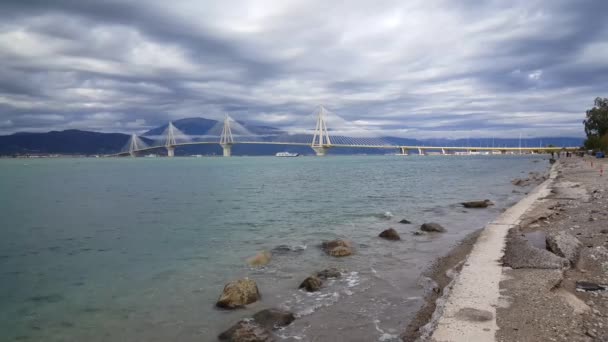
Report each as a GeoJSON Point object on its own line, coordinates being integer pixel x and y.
{"type": "Point", "coordinates": [286, 154]}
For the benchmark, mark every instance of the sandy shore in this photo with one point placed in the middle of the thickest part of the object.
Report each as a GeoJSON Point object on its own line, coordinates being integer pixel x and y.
{"type": "Point", "coordinates": [511, 288]}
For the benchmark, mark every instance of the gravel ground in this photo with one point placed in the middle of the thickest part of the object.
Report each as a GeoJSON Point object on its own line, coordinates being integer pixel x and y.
{"type": "Point", "coordinates": [541, 304]}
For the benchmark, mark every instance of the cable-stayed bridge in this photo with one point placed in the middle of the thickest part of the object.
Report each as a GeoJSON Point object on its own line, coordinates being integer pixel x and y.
{"type": "Point", "coordinates": [344, 134]}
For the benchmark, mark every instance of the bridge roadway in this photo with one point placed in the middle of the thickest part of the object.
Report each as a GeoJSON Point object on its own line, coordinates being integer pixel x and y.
{"type": "Point", "coordinates": [403, 148]}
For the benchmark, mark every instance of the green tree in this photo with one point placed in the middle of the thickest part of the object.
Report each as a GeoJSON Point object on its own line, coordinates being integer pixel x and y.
{"type": "Point", "coordinates": [596, 125]}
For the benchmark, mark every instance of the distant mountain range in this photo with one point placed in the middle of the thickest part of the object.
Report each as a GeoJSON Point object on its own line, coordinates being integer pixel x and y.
{"type": "Point", "coordinates": [90, 143]}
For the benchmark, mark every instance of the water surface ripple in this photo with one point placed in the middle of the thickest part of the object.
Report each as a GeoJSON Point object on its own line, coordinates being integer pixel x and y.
{"type": "Point", "coordinates": [139, 249]}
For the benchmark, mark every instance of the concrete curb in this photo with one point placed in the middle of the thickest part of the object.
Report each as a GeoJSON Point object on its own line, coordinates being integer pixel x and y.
{"type": "Point", "coordinates": [469, 313]}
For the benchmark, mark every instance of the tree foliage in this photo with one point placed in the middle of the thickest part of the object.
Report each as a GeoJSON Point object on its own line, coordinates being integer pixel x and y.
{"type": "Point", "coordinates": [596, 125]}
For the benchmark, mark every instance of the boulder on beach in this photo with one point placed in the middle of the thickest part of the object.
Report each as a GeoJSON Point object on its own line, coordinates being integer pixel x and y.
{"type": "Point", "coordinates": [564, 245]}
{"type": "Point", "coordinates": [432, 227]}
{"type": "Point", "coordinates": [390, 234]}
{"type": "Point", "coordinates": [246, 331]}
{"type": "Point", "coordinates": [329, 273]}
{"type": "Point", "coordinates": [311, 284]}
{"type": "Point", "coordinates": [404, 221]}
{"type": "Point", "coordinates": [519, 253]}
{"type": "Point", "coordinates": [341, 252]}
{"type": "Point", "coordinates": [337, 248]}
{"type": "Point", "coordinates": [260, 259]}
{"type": "Point", "coordinates": [477, 204]}
{"type": "Point", "coordinates": [238, 293]}
{"type": "Point", "coordinates": [273, 318]}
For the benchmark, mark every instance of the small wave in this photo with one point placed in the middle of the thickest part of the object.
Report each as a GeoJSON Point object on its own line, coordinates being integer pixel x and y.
{"type": "Point", "coordinates": [428, 284]}
{"type": "Point", "coordinates": [387, 215]}
{"type": "Point", "coordinates": [353, 279]}
{"type": "Point", "coordinates": [385, 336]}
{"type": "Point", "coordinates": [320, 301]}
{"type": "Point", "coordinates": [306, 303]}
{"type": "Point", "coordinates": [284, 249]}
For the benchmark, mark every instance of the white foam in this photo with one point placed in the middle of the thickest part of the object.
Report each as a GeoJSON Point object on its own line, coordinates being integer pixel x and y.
{"type": "Point", "coordinates": [388, 337]}
{"type": "Point", "coordinates": [353, 279]}
{"type": "Point", "coordinates": [385, 336]}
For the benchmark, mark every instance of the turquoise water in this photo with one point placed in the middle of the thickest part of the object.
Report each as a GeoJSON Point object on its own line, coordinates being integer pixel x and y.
{"type": "Point", "coordinates": [139, 249]}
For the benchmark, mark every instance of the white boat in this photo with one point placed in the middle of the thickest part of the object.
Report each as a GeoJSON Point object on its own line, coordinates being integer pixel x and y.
{"type": "Point", "coordinates": [286, 154]}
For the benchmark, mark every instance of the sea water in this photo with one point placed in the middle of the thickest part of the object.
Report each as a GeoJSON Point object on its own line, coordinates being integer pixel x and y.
{"type": "Point", "coordinates": [139, 249]}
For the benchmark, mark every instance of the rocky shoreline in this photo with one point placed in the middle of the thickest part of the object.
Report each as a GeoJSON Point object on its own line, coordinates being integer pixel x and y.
{"type": "Point", "coordinates": [553, 274]}
{"type": "Point", "coordinates": [438, 280]}
{"type": "Point", "coordinates": [569, 301]}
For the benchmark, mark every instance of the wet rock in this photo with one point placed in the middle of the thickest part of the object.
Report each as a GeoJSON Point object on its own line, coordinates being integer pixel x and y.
{"type": "Point", "coordinates": [519, 253]}
{"type": "Point", "coordinates": [329, 245]}
{"type": "Point", "coordinates": [337, 248]}
{"type": "Point", "coordinates": [341, 252]}
{"type": "Point", "coordinates": [564, 245]}
{"type": "Point", "coordinates": [404, 221]}
{"type": "Point", "coordinates": [418, 233]}
{"type": "Point", "coordinates": [329, 273]}
{"type": "Point", "coordinates": [390, 234]}
{"type": "Point", "coordinates": [589, 286]}
{"type": "Point", "coordinates": [432, 227]}
{"type": "Point", "coordinates": [260, 259]}
{"type": "Point", "coordinates": [604, 231]}
{"type": "Point", "coordinates": [246, 331]}
{"type": "Point", "coordinates": [238, 293]}
{"type": "Point", "coordinates": [285, 249]}
{"type": "Point", "coordinates": [272, 319]}
{"type": "Point", "coordinates": [311, 284]}
{"type": "Point", "coordinates": [477, 204]}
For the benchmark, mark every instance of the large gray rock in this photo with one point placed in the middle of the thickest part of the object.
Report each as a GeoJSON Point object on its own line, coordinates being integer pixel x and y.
{"type": "Point", "coordinates": [246, 331]}
{"type": "Point", "coordinates": [477, 204]}
{"type": "Point", "coordinates": [564, 245]}
{"type": "Point", "coordinates": [311, 284]}
{"type": "Point", "coordinates": [390, 234]}
{"type": "Point", "coordinates": [337, 248]}
{"type": "Point", "coordinates": [519, 253]}
{"type": "Point", "coordinates": [432, 227]}
{"type": "Point", "coordinates": [238, 293]}
{"type": "Point", "coordinates": [273, 318]}
{"type": "Point", "coordinates": [329, 273]}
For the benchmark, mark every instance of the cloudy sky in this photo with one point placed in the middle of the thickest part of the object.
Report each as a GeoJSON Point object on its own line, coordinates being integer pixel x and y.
{"type": "Point", "coordinates": [428, 68]}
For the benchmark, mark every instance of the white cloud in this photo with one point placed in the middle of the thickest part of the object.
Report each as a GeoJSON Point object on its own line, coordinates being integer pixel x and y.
{"type": "Point", "coordinates": [408, 68]}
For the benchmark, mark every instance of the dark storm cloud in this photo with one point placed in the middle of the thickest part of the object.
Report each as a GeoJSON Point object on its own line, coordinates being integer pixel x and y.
{"type": "Point", "coordinates": [421, 68]}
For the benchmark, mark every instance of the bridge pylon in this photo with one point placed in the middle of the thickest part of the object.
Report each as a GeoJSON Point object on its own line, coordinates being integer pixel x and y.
{"type": "Point", "coordinates": [320, 140]}
{"type": "Point", "coordinates": [226, 139]}
{"type": "Point", "coordinates": [170, 141]}
{"type": "Point", "coordinates": [134, 145]}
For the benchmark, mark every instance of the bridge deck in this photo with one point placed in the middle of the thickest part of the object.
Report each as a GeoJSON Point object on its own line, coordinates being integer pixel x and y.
{"type": "Point", "coordinates": [401, 147]}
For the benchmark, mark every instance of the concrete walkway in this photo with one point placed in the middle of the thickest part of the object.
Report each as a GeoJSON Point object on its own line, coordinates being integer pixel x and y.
{"type": "Point", "coordinates": [469, 313]}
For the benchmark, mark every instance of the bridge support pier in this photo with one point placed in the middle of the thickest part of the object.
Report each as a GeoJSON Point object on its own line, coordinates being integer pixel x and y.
{"type": "Point", "coordinates": [170, 151]}
{"type": "Point", "coordinates": [132, 154]}
{"type": "Point", "coordinates": [420, 151]}
{"type": "Point", "coordinates": [320, 151]}
{"type": "Point", "coordinates": [227, 150]}
{"type": "Point", "coordinates": [443, 151]}
{"type": "Point", "coordinates": [403, 151]}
